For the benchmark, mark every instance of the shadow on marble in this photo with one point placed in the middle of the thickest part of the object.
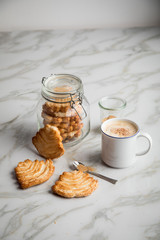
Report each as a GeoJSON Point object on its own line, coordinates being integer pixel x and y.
{"type": "Point", "coordinates": [96, 130]}
{"type": "Point", "coordinates": [13, 177]}
{"type": "Point", "coordinates": [94, 158]}
{"type": "Point", "coordinates": [24, 134]}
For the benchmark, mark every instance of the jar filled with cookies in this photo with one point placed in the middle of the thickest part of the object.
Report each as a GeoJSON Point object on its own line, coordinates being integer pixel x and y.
{"type": "Point", "coordinates": [64, 106]}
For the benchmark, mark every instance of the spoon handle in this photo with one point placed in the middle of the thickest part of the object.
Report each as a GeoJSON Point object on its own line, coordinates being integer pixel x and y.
{"type": "Point", "coordinates": [111, 180]}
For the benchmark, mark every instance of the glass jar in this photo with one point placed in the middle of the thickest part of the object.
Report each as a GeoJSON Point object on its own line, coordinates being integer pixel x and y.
{"type": "Point", "coordinates": [64, 105]}
{"type": "Point", "coordinates": [111, 107]}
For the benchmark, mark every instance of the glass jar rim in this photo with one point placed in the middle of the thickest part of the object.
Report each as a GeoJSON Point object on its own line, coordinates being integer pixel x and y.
{"type": "Point", "coordinates": [122, 105]}
{"type": "Point", "coordinates": [72, 84]}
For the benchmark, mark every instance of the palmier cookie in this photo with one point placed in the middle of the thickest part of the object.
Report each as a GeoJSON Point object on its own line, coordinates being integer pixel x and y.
{"type": "Point", "coordinates": [30, 173]}
{"type": "Point", "coordinates": [75, 184]}
{"type": "Point", "coordinates": [69, 113]}
{"type": "Point", "coordinates": [51, 107]}
{"type": "Point", "coordinates": [58, 125]}
{"type": "Point", "coordinates": [50, 119]}
{"type": "Point", "coordinates": [48, 142]}
{"type": "Point", "coordinates": [65, 127]}
{"type": "Point", "coordinates": [59, 121]}
{"type": "Point", "coordinates": [70, 135]}
{"type": "Point", "coordinates": [70, 128]}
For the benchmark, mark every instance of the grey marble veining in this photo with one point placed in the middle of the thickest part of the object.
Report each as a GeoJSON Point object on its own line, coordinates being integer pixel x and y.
{"type": "Point", "coordinates": [118, 62]}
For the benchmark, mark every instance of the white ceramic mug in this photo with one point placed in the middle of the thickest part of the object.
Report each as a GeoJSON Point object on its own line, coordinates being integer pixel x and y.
{"type": "Point", "coordinates": [120, 152]}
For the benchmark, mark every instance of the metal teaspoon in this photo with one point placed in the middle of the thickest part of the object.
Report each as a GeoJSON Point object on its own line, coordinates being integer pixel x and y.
{"type": "Point", "coordinates": [111, 180]}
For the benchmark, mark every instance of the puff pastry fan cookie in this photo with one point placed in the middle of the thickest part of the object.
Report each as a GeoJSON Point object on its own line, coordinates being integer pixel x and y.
{"type": "Point", "coordinates": [75, 184]}
{"type": "Point", "coordinates": [33, 173]}
{"type": "Point", "coordinates": [48, 142]}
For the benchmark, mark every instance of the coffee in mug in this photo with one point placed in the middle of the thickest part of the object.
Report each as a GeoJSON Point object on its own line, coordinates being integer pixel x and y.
{"type": "Point", "coordinates": [119, 139]}
{"type": "Point", "coordinates": [120, 128]}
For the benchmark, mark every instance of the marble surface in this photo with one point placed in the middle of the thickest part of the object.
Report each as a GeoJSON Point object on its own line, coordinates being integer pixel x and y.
{"type": "Point", "coordinates": [125, 63]}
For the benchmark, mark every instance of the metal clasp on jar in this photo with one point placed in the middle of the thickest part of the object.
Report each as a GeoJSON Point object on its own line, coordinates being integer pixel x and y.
{"type": "Point", "coordinates": [73, 105]}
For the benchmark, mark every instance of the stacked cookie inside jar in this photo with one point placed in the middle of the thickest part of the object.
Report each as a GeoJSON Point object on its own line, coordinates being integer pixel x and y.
{"type": "Point", "coordinates": [66, 118]}
{"type": "Point", "coordinates": [64, 106]}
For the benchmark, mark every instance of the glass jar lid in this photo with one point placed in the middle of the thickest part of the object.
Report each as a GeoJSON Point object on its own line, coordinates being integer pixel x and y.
{"type": "Point", "coordinates": [61, 87]}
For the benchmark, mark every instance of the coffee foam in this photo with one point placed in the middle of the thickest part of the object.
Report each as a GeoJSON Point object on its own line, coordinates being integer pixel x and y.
{"type": "Point", "coordinates": [120, 128]}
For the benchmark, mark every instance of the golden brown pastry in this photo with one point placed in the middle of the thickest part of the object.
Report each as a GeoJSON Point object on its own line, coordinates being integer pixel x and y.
{"type": "Point", "coordinates": [75, 184]}
{"type": "Point", "coordinates": [69, 127]}
{"type": "Point", "coordinates": [51, 108]}
{"type": "Point", "coordinates": [70, 135]}
{"type": "Point", "coordinates": [33, 173]}
{"type": "Point", "coordinates": [50, 119]}
{"type": "Point", "coordinates": [61, 109]}
{"type": "Point", "coordinates": [48, 142]}
{"type": "Point", "coordinates": [63, 116]}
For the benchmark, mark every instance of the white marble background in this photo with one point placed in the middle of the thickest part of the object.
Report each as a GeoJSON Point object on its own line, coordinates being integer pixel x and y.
{"type": "Point", "coordinates": [29, 15]}
{"type": "Point", "coordinates": [125, 63]}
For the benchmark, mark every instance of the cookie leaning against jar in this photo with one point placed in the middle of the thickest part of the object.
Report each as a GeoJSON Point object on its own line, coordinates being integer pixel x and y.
{"type": "Point", "coordinates": [48, 142]}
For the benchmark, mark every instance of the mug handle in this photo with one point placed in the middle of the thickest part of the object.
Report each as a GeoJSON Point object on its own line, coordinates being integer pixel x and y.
{"type": "Point", "coordinates": [148, 137]}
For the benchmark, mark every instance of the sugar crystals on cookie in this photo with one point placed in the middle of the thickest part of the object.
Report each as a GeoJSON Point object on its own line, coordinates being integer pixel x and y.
{"type": "Point", "coordinates": [75, 184]}
{"type": "Point", "coordinates": [30, 173]}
